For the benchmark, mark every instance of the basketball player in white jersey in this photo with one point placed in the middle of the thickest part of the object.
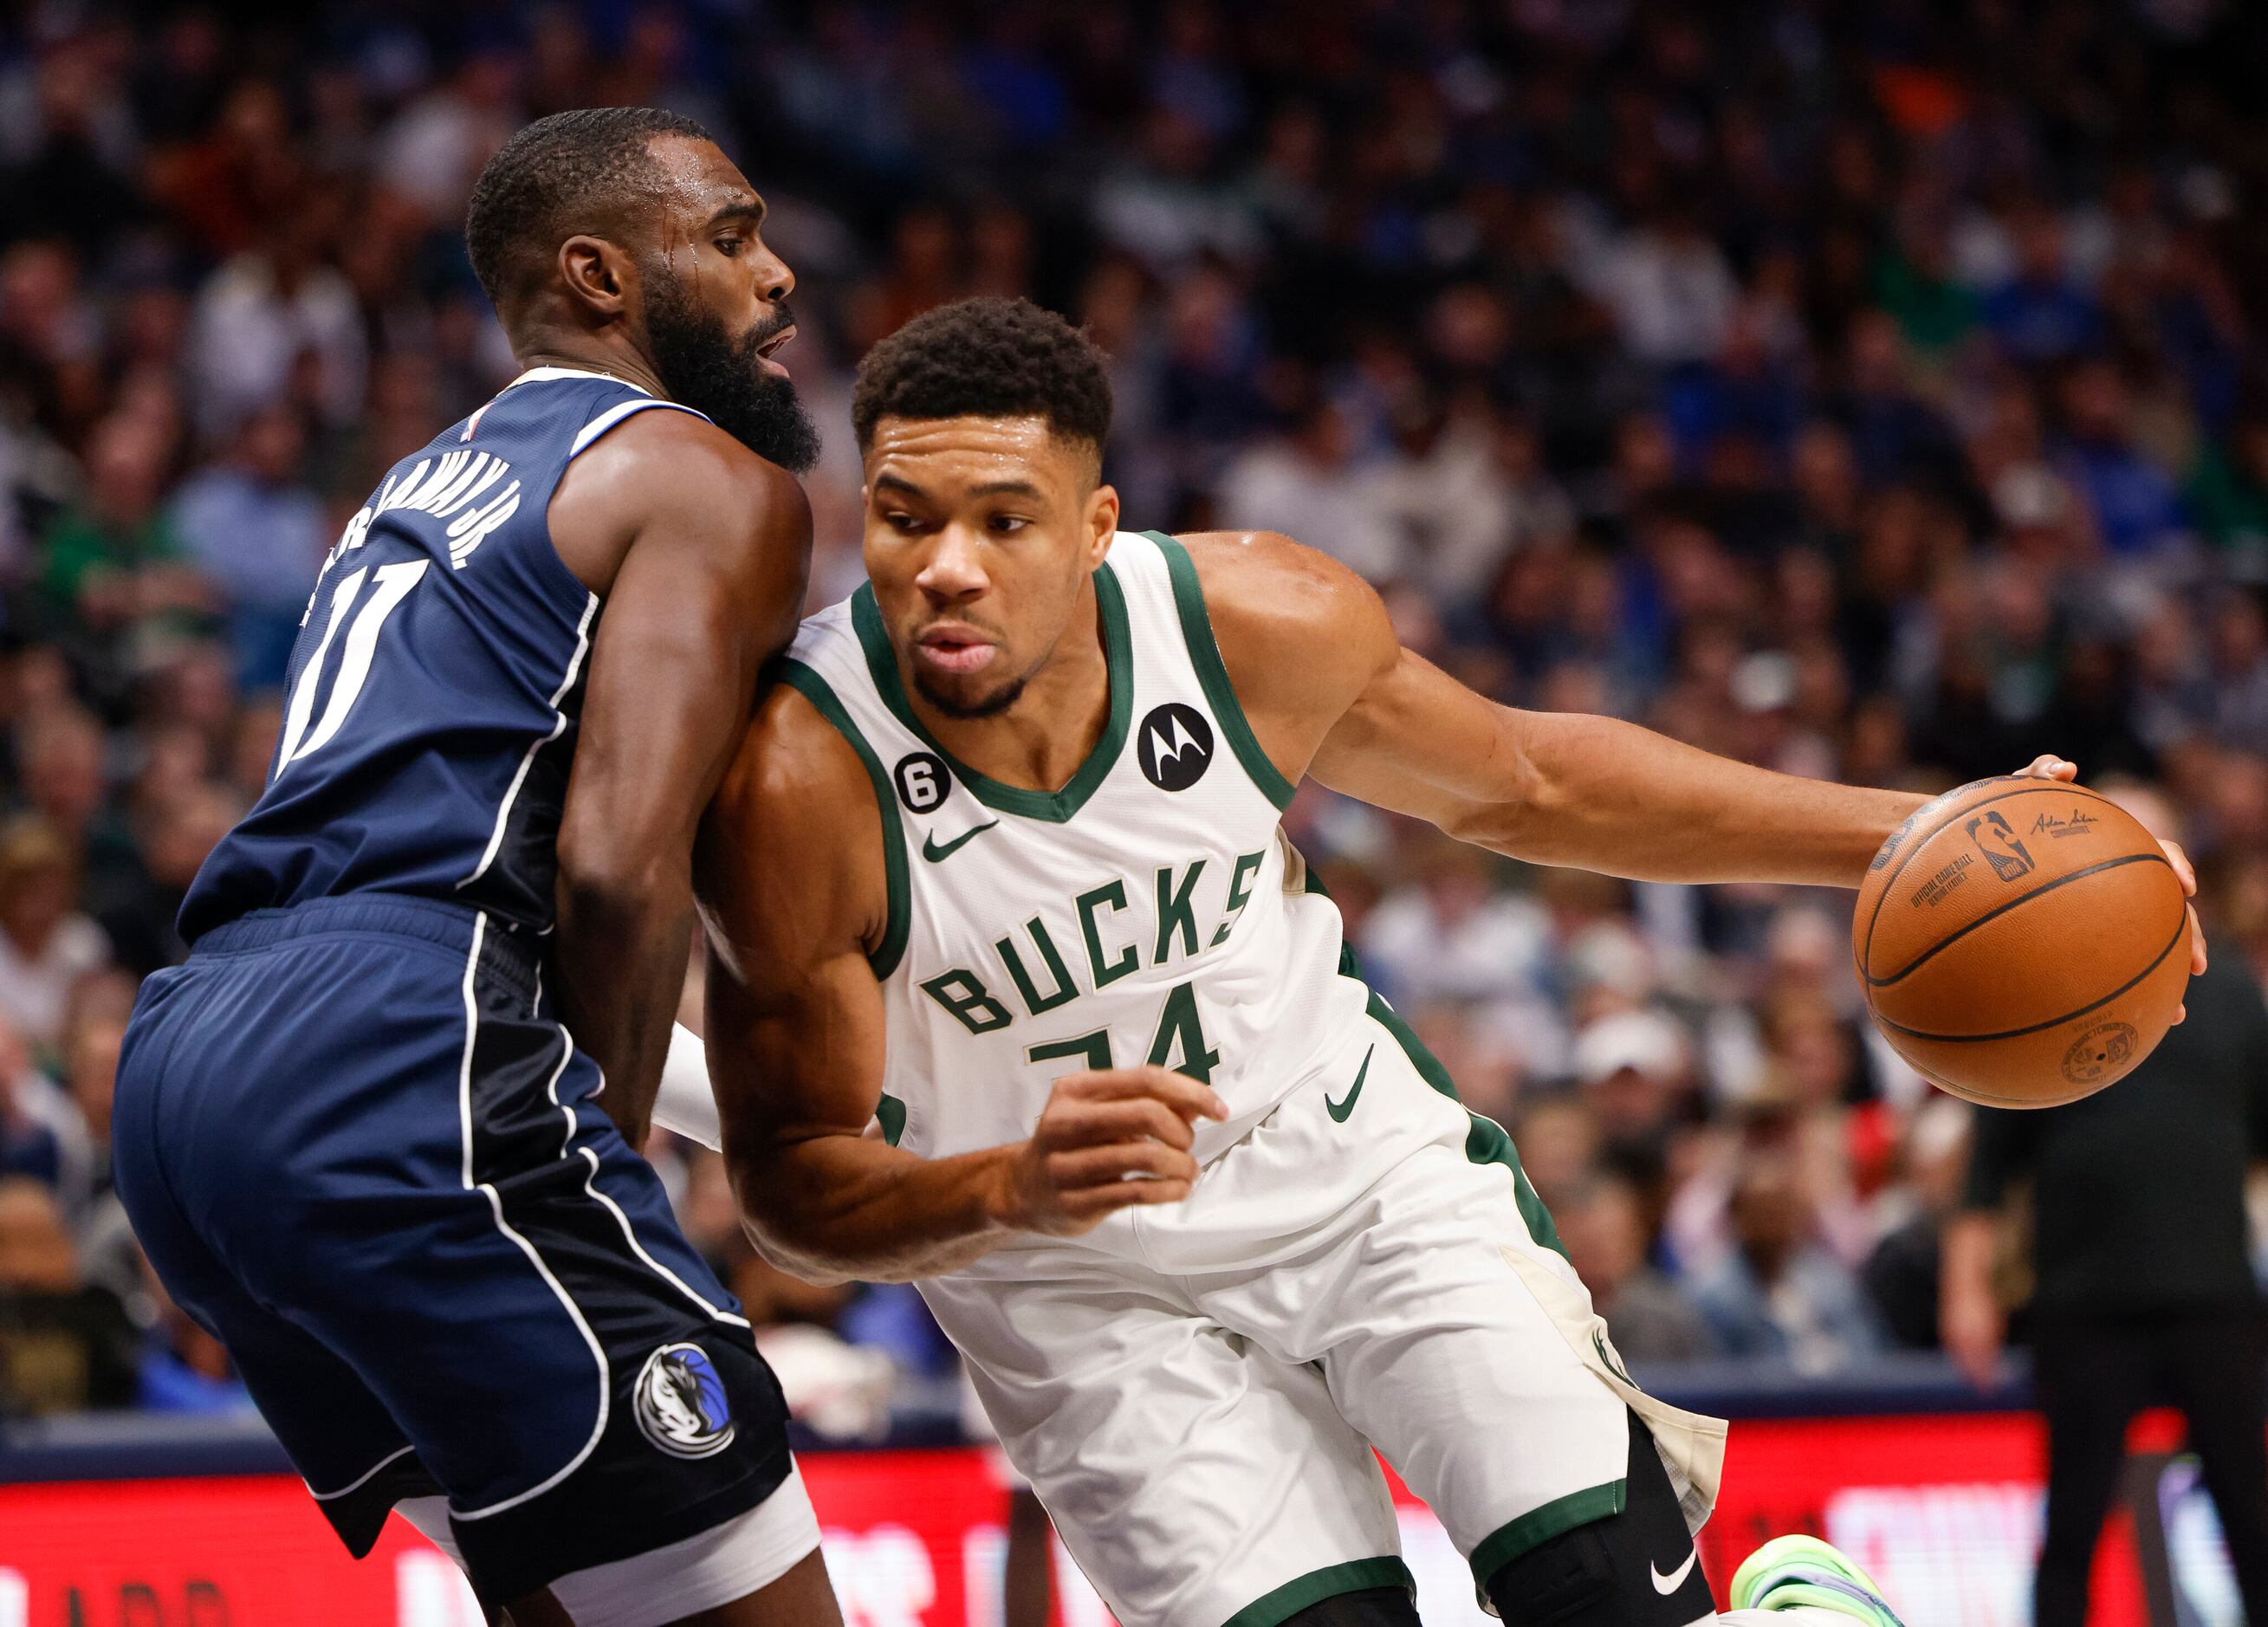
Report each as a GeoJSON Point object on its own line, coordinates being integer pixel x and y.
{"type": "Point", "coordinates": [1017, 990]}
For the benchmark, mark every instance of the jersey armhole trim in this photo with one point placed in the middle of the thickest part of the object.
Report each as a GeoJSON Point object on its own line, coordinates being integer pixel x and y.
{"type": "Point", "coordinates": [1204, 655]}
{"type": "Point", "coordinates": [885, 956]}
{"type": "Point", "coordinates": [619, 411]}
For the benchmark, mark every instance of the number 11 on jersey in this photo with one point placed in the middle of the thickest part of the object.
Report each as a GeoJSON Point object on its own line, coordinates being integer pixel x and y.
{"type": "Point", "coordinates": [390, 585]}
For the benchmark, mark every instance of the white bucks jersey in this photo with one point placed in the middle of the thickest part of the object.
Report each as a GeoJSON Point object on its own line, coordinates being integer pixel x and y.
{"type": "Point", "coordinates": [1149, 910]}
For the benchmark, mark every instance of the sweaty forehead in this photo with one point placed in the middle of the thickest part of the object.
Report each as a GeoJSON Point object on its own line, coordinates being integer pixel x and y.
{"type": "Point", "coordinates": [694, 179]}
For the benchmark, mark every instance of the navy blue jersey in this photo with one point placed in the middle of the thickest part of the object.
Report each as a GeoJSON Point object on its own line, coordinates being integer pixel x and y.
{"type": "Point", "coordinates": [430, 707]}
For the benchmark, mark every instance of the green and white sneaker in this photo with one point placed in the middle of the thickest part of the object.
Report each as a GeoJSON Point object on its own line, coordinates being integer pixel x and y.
{"type": "Point", "coordinates": [1804, 1573]}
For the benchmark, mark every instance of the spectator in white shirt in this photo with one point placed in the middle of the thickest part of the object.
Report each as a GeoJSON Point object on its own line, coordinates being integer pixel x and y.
{"type": "Point", "coordinates": [1311, 485]}
{"type": "Point", "coordinates": [259, 312]}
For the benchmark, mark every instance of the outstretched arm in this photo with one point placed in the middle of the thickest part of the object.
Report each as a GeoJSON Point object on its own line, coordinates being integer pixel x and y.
{"type": "Point", "coordinates": [793, 888]}
{"type": "Point", "coordinates": [1597, 793]}
{"type": "Point", "coordinates": [1331, 691]}
{"type": "Point", "coordinates": [699, 551]}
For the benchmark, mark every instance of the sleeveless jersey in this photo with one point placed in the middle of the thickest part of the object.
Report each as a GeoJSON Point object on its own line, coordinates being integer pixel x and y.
{"type": "Point", "coordinates": [1151, 911]}
{"type": "Point", "coordinates": [431, 700]}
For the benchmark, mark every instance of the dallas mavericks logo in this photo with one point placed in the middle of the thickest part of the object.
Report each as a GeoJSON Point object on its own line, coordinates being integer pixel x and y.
{"type": "Point", "coordinates": [1175, 747]}
{"type": "Point", "coordinates": [680, 1402]}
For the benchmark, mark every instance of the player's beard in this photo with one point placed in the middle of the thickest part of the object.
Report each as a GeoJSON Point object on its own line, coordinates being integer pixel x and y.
{"type": "Point", "coordinates": [704, 367]}
{"type": "Point", "coordinates": [966, 706]}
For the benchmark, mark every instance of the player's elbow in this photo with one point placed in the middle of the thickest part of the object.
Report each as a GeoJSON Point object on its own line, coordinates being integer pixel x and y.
{"type": "Point", "coordinates": [1526, 814]}
{"type": "Point", "coordinates": [609, 882]}
{"type": "Point", "coordinates": [1485, 824]}
{"type": "Point", "coordinates": [1521, 821]}
{"type": "Point", "coordinates": [801, 1262]}
{"type": "Point", "coordinates": [786, 1215]}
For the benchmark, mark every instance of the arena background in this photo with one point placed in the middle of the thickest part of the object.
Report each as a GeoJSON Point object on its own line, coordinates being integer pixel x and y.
{"type": "Point", "coordinates": [1872, 392]}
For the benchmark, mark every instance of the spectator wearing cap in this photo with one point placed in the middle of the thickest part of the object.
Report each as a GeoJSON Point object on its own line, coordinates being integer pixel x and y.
{"type": "Point", "coordinates": [1635, 1072]}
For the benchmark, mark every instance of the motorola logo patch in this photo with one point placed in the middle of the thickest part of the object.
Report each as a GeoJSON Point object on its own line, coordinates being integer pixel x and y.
{"type": "Point", "coordinates": [1175, 747]}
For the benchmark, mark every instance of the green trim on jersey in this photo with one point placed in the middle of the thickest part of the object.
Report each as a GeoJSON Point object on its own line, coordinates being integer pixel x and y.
{"type": "Point", "coordinates": [1509, 1541]}
{"type": "Point", "coordinates": [1488, 1142]}
{"type": "Point", "coordinates": [1354, 1576]}
{"type": "Point", "coordinates": [1055, 807]}
{"type": "Point", "coordinates": [1204, 655]}
{"type": "Point", "coordinates": [883, 957]}
{"type": "Point", "coordinates": [890, 1113]}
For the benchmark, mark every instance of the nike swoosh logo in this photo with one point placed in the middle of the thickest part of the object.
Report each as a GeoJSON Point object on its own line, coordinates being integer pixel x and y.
{"type": "Point", "coordinates": [933, 852]}
{"type": "Point", "coordinates": [1668, 1585]}
{"type": "Point", "coordinates": [1338, 1110]}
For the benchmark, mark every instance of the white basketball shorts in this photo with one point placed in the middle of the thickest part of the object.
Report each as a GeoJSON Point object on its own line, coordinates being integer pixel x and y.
{"type": "Point", "coordinates": [1194, 1390]}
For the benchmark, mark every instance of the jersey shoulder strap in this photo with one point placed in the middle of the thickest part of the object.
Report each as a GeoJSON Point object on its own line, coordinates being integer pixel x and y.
{"type": "Point", "coordinates": [1162, 589]}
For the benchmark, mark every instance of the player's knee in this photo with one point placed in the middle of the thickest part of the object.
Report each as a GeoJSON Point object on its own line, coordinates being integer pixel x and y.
{"type": "Point", "coordinates": [1564, 1581]}
{"type": "Point", "coordinates": [1373, 1606]}
{"type": "Point", "coordinates": [1636, 1568]}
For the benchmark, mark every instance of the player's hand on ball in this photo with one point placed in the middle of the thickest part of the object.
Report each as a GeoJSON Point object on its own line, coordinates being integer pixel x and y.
{"type": "Point", "coordinates": [2049, 767]}
{"type": "Point", "coordinates": [1107, 1140]}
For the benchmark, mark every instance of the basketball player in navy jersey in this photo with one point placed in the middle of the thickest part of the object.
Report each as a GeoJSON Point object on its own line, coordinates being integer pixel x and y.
{"type": "Point", "coordinates": [378, 1134]}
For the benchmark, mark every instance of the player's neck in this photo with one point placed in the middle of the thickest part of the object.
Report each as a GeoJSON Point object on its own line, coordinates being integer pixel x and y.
{"type": "Point", "coordinates": [587, 354]}
{"type": "Point", "coordinates": [1040, 742]}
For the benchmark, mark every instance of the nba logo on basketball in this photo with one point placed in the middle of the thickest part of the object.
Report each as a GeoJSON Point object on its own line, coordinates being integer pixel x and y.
{"type": "Point", "coordinates": [1999, 846]}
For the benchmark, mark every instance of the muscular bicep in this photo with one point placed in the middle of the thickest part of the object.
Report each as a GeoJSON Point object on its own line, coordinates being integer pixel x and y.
{"type": "Point", "coordinates": [795, 1054]}
{"type": "Point", "coordinates": [1330, 692]}
{"type": "Point", "coordinates": [789, 876]}
{"type": "Point", "coordinates": [708, 589]}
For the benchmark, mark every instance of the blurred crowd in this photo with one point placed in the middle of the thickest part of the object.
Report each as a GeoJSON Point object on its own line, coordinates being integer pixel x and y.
{"type": "Point", "coordinates": [1874, 392]}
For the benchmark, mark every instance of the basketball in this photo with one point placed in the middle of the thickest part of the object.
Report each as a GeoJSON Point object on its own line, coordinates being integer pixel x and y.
{"type": "Point", "coordinates": [2022, 942]}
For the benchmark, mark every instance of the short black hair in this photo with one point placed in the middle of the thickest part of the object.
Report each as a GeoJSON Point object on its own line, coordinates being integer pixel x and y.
{"type": "Point", "coordinates": [566, 172]}
{"type": "Point", "coordinates": [995, 358]}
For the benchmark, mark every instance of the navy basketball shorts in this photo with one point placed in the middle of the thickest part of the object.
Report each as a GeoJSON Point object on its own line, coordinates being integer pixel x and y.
{"type": "Point", "coordinates": [358, 1149]}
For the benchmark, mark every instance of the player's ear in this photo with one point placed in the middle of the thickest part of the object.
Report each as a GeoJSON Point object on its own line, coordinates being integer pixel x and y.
{"type": "Point", "coordinates": [598, 275]}
{"type": "Point", "coordinates": [1101, 523]}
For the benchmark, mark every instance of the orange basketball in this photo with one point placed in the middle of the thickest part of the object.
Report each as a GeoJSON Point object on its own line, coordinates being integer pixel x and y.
{"type": "Point", "coordinates": [2022, 942]}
